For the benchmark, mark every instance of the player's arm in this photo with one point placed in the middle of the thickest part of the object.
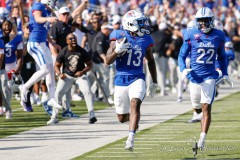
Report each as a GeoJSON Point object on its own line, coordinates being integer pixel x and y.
{"type": "Point", "coordinates": [231, 56]}
{"type": "Point", "coordinates": [111, 55]}
{"type": "Point", "coordinates": [151, 64]}
{"type": "Point", "coordinates": [1, 53]}
{"type": "Point", "coordinates": [221, 62]}
{"type": "Point", "coordinates": [39, 19]}
{"type": "Point", "coordinates": [19, 55]}
{"type": "Point", "coordinates": [184, 51]}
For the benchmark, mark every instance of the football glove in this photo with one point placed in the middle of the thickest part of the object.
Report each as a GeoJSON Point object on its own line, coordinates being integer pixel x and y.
{"type": "Point", "coordinates": [228, 80]}
{"type": "Point", "coordinates": [219, 73]}
{"type": "Point", "coordinates": [152, 88]}
{"type": "Point", "coordinates": [121, 47]}
{"type": "Point", "coordinates": [185, 72]}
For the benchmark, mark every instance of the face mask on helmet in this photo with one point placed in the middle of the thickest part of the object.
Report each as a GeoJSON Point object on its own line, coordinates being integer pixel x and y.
{"type": "Point", "coordinates": [204, 19]}
{"type": "Point", "coordinates": [134, 21]}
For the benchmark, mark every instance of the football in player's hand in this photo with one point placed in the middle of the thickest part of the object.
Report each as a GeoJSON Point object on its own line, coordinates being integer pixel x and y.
{"type": "Point", "coordinates": [121, 39]}
{"type": "Point", "coordinates": [121, 45]}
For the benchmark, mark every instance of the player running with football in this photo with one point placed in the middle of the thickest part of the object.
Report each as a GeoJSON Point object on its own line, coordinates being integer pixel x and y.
{"type": "Point", "coordinates": [206, 44]}
{"type": "Point", "coordinates": [128, 48]}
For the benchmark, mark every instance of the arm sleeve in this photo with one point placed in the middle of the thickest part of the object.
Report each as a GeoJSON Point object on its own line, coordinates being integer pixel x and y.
{"type": "Point", "coordinates": [231, 55]}
{"type": "Point", "coordinates": [222, 61]}
{"type": "Point", "coordinates": [184, 51]}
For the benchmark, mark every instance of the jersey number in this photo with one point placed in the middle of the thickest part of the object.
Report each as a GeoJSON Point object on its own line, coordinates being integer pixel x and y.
{"type": "Point", "coordinates": [203, 53]}
{"type": "Point", "coordinates": [138, 61]}
{"type": "Point", "coordinates": [8, 52]}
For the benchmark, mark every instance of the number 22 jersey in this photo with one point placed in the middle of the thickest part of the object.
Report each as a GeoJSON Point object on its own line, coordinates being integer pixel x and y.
{"type": "Point", "coordinates": [204, 49]}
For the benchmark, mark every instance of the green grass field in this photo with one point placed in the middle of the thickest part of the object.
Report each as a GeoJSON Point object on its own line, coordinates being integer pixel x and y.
{"type": "Point", "coordinates": [174, 138]}
{"type": "Point", "coordinates": [23, 121]}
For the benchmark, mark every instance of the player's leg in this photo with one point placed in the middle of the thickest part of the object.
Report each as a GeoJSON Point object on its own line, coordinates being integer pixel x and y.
{"type": "Point", "coordinates": [50, 79]}
{"type": "Point", "coordinates": [36, 50]}
{"type": "Point", "coordinates": [5, 92]}
{"type": "Point", "coordinates": [122, 102]}
{"type": "Point", "coordinates": [195, 95]}
{"type": "Point", "coordinates": [84, 85]}
{"type": "Point", "coordinates": [137, 92]}
{"type": "Point", "coordinates": [207, 98]}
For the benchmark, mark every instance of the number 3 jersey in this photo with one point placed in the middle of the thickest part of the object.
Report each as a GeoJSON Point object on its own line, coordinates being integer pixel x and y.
{"type": "Point", "coordinates": [11, 47]}
{"type": "Point", "coordinates": [129, 67]}
{"type": "Point", "coordinates": [204, 49]}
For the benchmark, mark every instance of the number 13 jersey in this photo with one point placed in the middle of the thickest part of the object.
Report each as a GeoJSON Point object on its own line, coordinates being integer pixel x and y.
{"type": "Point", "coordinates": [129, 67]}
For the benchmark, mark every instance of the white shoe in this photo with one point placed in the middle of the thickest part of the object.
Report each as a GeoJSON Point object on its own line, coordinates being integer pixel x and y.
{"type": "Point", "coordinates": [44, 97]}
{"type": "Point", "coordinates": [196, 118]}
{"type": "Point", "coordinates": [110, 100]}
{"type": "Point", "coordinates": [52, 102]}
{"type": "Point", "coordinates": [179, 100]}
{"type": "Point", "coordinates": [129, 143]}
{"type": "Point", "coordinates": [201, 143]}
{"type": "Point", "coordinates": [23, 104]}
{"type": "Point", "coordinates": [76, 97]}
{"type": "Point", "coordinates": [23, 92]}
{"type": "Point", "coordinates": [8, 115]}
{"type": "Point", "coordinates": [52, 121]}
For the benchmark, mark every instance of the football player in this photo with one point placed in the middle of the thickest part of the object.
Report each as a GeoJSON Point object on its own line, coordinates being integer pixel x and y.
{"type": "Point", "coordinates": [5, 92]}
{"type": "Point", "coordinates": [13, 51]}
{"type": "Point", "coordinates": [128, 48]}
{"type": "Point", "coordinates": [40, 19]}
{"type": "Point", "coordinates": [206, 44]}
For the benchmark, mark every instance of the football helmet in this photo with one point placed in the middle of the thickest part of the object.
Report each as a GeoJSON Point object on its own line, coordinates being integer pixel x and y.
{"type": "Point", "coordinates": [4, 14]}
{"type": "Point", "coordinates": [204, 16]}
{"type": "Point", "coordinates": [218, 25]}
{"type": "Point", "coordinates": [135, 21]}
{"type": "Point", "coordinates": [50, 3]}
